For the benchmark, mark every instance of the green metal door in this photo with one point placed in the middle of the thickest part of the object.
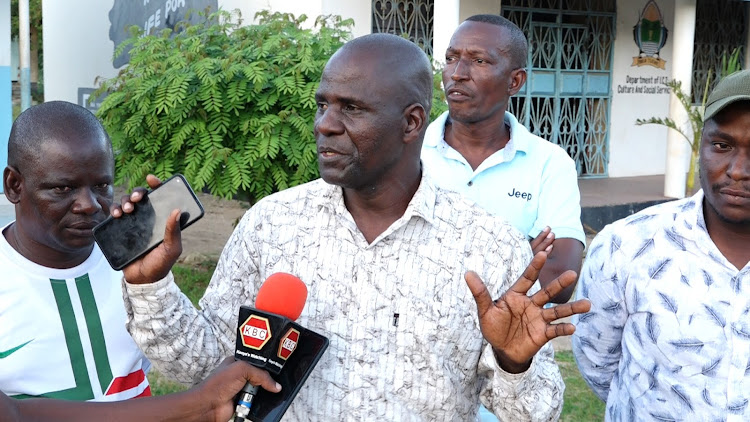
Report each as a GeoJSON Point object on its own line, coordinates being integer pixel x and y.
{"type": "Point", "coordinates": [567, 96]}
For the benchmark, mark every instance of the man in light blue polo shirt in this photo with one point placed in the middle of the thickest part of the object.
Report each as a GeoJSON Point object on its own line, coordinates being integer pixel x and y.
{"type": "Point", "coordinates": [481, 150]}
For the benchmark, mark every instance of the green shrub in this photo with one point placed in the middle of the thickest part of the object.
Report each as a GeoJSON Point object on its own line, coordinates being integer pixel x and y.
{"type": "Point", "coordinates": [229, 106]}
{"type": "Point", "coordinates": [439, 104]}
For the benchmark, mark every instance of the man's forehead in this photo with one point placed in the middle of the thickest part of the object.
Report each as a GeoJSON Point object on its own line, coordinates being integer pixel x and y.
{"type": "Point", "coordinates": [478, 33]}
{"type": "Point", "coordinates": [353, 68]}
{"type": "Point", "coordinates": [81, 148]}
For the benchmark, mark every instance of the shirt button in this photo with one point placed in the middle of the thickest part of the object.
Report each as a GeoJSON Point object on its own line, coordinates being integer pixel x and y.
{"type": "Point", "coordinates": [470, 183]}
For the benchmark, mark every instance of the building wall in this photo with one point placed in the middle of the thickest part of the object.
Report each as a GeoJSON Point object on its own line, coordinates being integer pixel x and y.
{"type": "Point", "coordinates": [358, 10]}
{"type": "Point", "coordinates": [78, 50]}
{"type": "Point", "coordinates": [6, 107]}
{"type": "Point", "coordinates": [638, 150]}
{"type": "Point", "coordinates": [634, 150]}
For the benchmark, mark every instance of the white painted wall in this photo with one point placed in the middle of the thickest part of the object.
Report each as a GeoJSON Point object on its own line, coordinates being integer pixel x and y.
{"type": "Point", "coordinates": [6, 107]}
{"type": "Point", "coordinates": [359, 10]}
{"type": "Point", "coordinates": [78, 50]}
{"type": "Point", "coordinates": [444, 23]}
{"type": "Point", "coordinates": [637, 150]}
{"type": "Point", "coordinates": [5, 46]}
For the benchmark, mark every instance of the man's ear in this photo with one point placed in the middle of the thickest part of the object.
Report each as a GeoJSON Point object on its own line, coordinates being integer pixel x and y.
{"type": "Point", "coordinates": [12, 184]}
{"type": "Point", "coordinates": [416, 120]}
{"type": "Point", "coordinates": [517, 79]}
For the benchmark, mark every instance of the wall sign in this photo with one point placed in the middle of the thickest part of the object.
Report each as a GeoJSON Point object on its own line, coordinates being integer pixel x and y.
{"type": "Point", "coordinates": [151, 16]}
{"type": "Point", "coordinates": [650, 35]}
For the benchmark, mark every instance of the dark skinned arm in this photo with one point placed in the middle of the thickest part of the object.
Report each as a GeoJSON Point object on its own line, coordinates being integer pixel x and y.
{"type": "Point", "coordinates": [566, 254]}
{"type": "Point", "coordinates": [211, 400]}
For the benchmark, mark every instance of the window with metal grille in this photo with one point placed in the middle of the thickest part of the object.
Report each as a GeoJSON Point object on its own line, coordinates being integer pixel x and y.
{"type": "Point", "coordinates": [411, 19]}
{"type": "Point", "coordinates": [567, 96]}
{"type": "Point", "coordinates": [719, 29]}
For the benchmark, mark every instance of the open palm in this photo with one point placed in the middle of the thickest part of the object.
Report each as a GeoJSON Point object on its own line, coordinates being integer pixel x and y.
{"type": "Point", "coordinates": [518, 325]}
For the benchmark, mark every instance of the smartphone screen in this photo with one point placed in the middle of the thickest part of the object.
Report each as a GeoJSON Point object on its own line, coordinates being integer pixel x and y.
{"type": "Point", "coordinates": [124, 239]}
{"type": "Point", "coordinates": [270, 407]}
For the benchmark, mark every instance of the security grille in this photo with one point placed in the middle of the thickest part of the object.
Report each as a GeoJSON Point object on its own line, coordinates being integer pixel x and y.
{"type": "Point", "coordinates": [411, 19]}
{"type": "Point", "coordinates": [567, 96]}
{"type": "Point", "coordinates": [719, 29]}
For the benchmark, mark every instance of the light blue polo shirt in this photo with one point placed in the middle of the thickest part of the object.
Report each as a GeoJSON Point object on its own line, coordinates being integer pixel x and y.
{"type": "Point", "coordinates": [531, 182]}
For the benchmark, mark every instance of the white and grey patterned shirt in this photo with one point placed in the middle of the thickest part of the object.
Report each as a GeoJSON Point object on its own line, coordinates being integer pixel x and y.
{"type": "Point", "coordinates": [431, 366]}
{"type": "Point", "coordinates": [668, 335]}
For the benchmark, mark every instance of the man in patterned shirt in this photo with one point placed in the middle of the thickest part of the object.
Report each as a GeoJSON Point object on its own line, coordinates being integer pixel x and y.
{"type": "Point", "coordinates": [383, 252]}
{"type": "Point", "coordinates": [668, 336]}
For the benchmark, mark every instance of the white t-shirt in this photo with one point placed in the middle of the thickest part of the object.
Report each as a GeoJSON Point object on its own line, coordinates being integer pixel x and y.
{"type": "Point", "coordinates": [62, 332]}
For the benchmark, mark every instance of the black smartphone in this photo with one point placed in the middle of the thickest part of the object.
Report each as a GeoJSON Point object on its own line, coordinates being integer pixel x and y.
{"type": "Point", "coordinates": [270, 407]}
{"type": "Point", "coordinates": [125, 239]}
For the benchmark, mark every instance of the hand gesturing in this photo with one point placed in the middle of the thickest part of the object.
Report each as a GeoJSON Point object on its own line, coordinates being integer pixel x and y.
{"type": "Point", "coordinates": [517, 325]}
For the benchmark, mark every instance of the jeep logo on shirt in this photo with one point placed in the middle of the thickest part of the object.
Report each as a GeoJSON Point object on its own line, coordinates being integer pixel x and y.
{"type": "Point", "coordinates": [519, 194]}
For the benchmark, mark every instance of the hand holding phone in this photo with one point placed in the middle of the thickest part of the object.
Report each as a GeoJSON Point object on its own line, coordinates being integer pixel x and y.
{"type": "Point", "coordinates": [137, 232]}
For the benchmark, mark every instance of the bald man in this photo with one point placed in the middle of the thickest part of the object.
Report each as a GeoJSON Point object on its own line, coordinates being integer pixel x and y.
{"type": "Point", "coordinates": [62, 319]}
{"type": "Point", "coordinates": [384, 253]}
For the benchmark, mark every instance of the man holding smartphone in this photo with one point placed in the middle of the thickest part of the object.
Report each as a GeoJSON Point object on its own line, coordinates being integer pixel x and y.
{"type": "Point", "coordinates": [62, 319]}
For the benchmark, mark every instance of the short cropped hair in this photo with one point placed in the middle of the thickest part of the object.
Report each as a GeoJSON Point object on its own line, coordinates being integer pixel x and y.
{"type": "Point", "coordinates": [518, 43]}
{"type": "Point", "coordinates": [49, 121]}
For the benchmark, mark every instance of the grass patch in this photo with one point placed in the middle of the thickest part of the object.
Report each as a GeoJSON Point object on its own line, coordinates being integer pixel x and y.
{"type": "Point", "coordinates": [160, 385]}
{"type": "Point", "coordinates": [193, 279]}
{"type": "Point", "coordinates": [581, 404]}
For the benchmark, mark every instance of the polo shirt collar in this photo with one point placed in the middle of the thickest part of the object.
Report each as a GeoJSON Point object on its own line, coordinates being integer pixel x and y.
{"type": "Point", "coordinates": [519, 135]}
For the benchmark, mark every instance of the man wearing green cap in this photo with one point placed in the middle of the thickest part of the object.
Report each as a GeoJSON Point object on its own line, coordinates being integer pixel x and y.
{"type": "Point", "coordinates": [668, 335]}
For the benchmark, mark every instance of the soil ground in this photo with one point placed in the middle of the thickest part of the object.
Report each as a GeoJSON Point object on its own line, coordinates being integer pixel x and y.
{"type": "Point", "coordinates": [206, 237]}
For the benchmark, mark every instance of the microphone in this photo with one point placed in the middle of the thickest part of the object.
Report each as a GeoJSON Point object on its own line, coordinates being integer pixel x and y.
{"type": "Point", "coordinates": [267, 334]}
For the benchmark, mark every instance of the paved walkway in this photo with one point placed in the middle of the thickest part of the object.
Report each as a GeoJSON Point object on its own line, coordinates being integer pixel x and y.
{"type": "Point", "coordinates": [621, 190]}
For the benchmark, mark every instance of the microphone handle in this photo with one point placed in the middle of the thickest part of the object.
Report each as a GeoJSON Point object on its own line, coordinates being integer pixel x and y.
{"type": "Point", "coordinates": [245, 402]}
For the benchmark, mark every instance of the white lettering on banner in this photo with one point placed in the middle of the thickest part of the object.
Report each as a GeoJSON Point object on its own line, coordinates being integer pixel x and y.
{"type": "Point", "coordinates": [153, 21]}
{"type": "Point", "coordinates": [260, 358]}
{"type": "Point", "coordinates": [289, 344]}
{"type": "Point", "coordinates": [274, 363]}
{"type": "Point", "coordinates": [254, 332]}
{"type": "Point", "coordinates": [172, 5]}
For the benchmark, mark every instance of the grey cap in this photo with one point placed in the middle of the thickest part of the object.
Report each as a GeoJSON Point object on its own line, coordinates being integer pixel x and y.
{"type": "Point", "coordinates": [732, 88]}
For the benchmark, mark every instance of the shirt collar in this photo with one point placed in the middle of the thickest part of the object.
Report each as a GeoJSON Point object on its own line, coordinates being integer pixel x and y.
{"type": "Point", "coordinates": [519, 135]}
{"type": "Point", "coordinates": [422, 204]}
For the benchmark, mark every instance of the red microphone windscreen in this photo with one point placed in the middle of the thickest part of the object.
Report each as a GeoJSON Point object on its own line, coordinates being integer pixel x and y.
{"type": "Point", "coordinates": [282, 294]}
